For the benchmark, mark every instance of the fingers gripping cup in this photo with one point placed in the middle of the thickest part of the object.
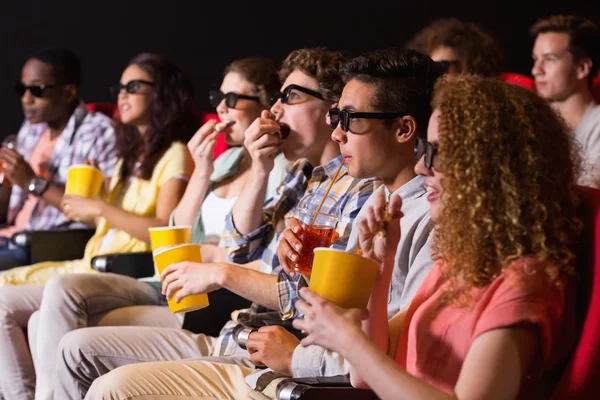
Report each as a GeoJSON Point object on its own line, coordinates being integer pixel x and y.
{"type": "Point", "coordinates": [84, 180]}
{"type": "Point", "coordinates": [320, 234]}
{"type": "Point", "coordinates": [173, 255]}
{"type": "Point", "coordinates": [345, 279]}
{"type": "Point", "coordinates": [163, 237]}
{"type": "Point", "coordinates": [318, 216]}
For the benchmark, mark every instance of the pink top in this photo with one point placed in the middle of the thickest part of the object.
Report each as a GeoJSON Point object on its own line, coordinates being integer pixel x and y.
{"type": "Point", "coordinates": [39, 160]}
{"type": "Point", "coordinates": [438, 337]}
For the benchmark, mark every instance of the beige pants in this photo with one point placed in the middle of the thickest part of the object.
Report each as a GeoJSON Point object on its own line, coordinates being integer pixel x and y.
{"type": "Point", "coordinates": [176, 380]}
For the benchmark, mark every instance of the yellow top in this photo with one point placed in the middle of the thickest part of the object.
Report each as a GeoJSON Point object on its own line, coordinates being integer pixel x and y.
{"type": "Point", "coordinates": [140, 198]}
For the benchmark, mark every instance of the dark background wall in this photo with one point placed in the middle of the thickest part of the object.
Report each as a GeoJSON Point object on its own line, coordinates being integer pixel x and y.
{"type": "Point", "coordinates": [203, 36]}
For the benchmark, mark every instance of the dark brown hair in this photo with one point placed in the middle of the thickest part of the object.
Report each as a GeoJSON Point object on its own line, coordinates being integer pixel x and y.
{"type": "Point", "coordinates": [477, 50]}
{"type": "Point", "coordinates": [584, 37]}
{"type": "Point", "coordinates": [261, 72]}
{"type": "Point", "coordinates": [171, 117]}
{"type": "Point", "coordinates": [321, 64]}
{"type": "Point", "coordinates": [403, 81]}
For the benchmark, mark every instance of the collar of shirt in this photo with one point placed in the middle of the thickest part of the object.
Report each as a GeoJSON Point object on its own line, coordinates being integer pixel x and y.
{"type": "Point", "coordinates": [329, 169]}
{"type": "Point", "coordinates": [29, 140]}
{"type": "Point", "coordinates": [412, 189]}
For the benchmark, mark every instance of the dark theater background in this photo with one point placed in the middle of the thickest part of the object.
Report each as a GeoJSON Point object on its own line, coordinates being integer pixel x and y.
{"type": "Point", "coordinates": [203, 36]}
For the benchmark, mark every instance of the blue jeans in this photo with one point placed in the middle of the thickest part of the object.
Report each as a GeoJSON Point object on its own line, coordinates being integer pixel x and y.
{"type": "Point", "coordinates": [12, 256]}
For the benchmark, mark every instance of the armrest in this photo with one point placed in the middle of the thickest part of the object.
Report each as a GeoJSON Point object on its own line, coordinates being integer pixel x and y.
{"type": "Point", "coordinates": [210, 320]}
{"type": "Point", "coordinates": [54, 245]}
{"type": "Point", "coordinates": [329, 387]}
{"type": "Point", "coordinates": [135, 265]}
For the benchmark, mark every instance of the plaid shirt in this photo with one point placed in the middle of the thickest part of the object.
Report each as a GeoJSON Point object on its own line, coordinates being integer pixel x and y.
{"type": "Point", "coordinates": [350, 193]}
{"type": "Point", "coordinates": [87, 136]}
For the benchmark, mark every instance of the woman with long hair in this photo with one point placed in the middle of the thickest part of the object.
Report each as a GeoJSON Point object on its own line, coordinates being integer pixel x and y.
{"type": "Point", "coordinates": [494, 319]}
{"type": "Point", "coordinates": [247, 87]}
{"type": "Point", "coordinates": [155, 102]}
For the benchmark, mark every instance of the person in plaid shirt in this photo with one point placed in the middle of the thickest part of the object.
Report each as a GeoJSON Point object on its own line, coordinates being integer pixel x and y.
{"type": "Point", "coordinates": [385, 105]}
{"type": "Point", "coordinates": [312, 85]}
{"type": "Point", "coordinates": [58, 132]}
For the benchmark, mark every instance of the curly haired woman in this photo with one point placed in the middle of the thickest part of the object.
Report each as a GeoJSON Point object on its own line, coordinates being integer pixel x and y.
{"type": "Point", "coordinates": [494, 318]}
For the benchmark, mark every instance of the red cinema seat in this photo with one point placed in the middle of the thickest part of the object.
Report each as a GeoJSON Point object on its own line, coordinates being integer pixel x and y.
{"type": "Point", "coordinates": [581, 378]}
{"type": "Point", "coordinates": [519, 80]}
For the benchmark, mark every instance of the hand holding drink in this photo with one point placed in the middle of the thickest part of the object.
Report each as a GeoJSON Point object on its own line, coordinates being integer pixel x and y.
{"type": "Point", "coordinates": [310, 229]}
{"type": "Point", "coordinates": [309, 237]}
{"type": "Point", "coordinates": [14, 166]}
{"type": "Point", "coordinates": [10, 143]}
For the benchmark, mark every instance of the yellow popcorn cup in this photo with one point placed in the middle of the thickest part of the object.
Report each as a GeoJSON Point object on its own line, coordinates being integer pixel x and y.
{"type": "Point", "coordinates": [167, 236]}
{"type": "Point", "coordinates": [346, 279]}
{"type": "Point", "coordinates": [84, 180]}
{"type": "Point", "coordinates": [166, 256]}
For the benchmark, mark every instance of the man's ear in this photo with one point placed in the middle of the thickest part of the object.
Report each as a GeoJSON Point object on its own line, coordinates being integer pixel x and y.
{"type": "Point", "coordinates": [406, 128]}
{"type": "Point", "coordinates": [71, 92]}
{"type": "Point", "coordinates": [584, 68]}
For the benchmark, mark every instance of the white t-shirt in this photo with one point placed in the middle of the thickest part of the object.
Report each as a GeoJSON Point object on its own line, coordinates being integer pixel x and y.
{"type": "Point", "coordinates": [587, 134]}
{"type": "Point", "coordinates": [214, 210]}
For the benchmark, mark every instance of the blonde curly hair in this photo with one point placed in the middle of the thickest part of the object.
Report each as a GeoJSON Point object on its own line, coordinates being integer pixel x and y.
{"type": "Point", "coordinates": [508, 175]}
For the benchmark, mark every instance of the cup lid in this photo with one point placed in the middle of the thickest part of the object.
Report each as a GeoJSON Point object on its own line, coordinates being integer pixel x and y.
{"type": "Point", "coordinates": [164, 228]}
{"type": "Point", "coordinates": [311, 201]}
{"type": "Point", "coordinates": [83, 166]}
{"type": "Point", "coordinates": [167, 248]}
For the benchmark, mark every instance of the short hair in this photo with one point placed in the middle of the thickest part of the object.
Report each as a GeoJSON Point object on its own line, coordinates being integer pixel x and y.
{"type": "Point", "coordinates": [478, 51]}
{"type": "Point", "coordinates": [66, 67]}
{"type": "Point", "coordinates": [260, 72]}
{"type": "Point", "coordinates": [584, 36]}
{"type": "Point", "coordinates": [320, 64]}
{"type": "Point", "coordinates": [404, 81]}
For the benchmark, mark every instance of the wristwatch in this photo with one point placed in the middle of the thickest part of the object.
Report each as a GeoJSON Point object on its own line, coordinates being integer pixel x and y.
{"type": "Point", "coordinates": [38, 186]}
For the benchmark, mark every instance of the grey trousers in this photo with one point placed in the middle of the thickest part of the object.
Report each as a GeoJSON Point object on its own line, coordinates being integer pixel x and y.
{"type": "Point", "coordinates": [74, 301]}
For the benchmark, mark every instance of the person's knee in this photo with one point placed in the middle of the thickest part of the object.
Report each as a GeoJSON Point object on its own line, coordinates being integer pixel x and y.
{"type": "Point", "coordinates": [9, 303]}
{"type": "Point", "coordinates": [65, 288]}
{"type": "Point", "coordinates": [115, 384]}
{"type": "Point", "coordinates": [74, 347]}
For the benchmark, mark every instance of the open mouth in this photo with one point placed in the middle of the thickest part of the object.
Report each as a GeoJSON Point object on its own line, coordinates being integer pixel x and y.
{"type": "Point", "coordinates": [284, 131]}
{"type": "Point", "coordinates": [226, 123]}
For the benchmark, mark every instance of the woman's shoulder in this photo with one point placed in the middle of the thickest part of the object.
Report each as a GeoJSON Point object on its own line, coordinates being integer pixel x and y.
{"type": "Point", "coordinates": [532, 277]}
{"type": "Point", "coordinates": [177, 153]}
{"type": "Point", "coordinates": [176, 149]}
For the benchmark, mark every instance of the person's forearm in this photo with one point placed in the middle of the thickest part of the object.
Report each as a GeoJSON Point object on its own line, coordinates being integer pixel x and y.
{"type": "Point", "coordinates": [255, 286]}
{"type": "Point", "coordinates": [136, 225]}
{"type": "Point", "coordinates": [53, 195]}
{"type": "Point", "coordinates": [187, 209]}
{"type": "Point", "coordinates": [248, 209]}
{"type": "Point", "coordinates": [374, 369]}
{"type": "Point", "coordinates": [212, 253]}
{"type": "Point", "coordinates": [376, 326]}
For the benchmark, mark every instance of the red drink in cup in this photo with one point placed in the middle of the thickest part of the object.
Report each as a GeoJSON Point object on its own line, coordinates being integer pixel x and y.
{"type": "Point", "coordinates": [311, 238]}
{"type": "Point", "coordinates": [318, 228]}
{"type": "Point", "coordinates": [320, 234]}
